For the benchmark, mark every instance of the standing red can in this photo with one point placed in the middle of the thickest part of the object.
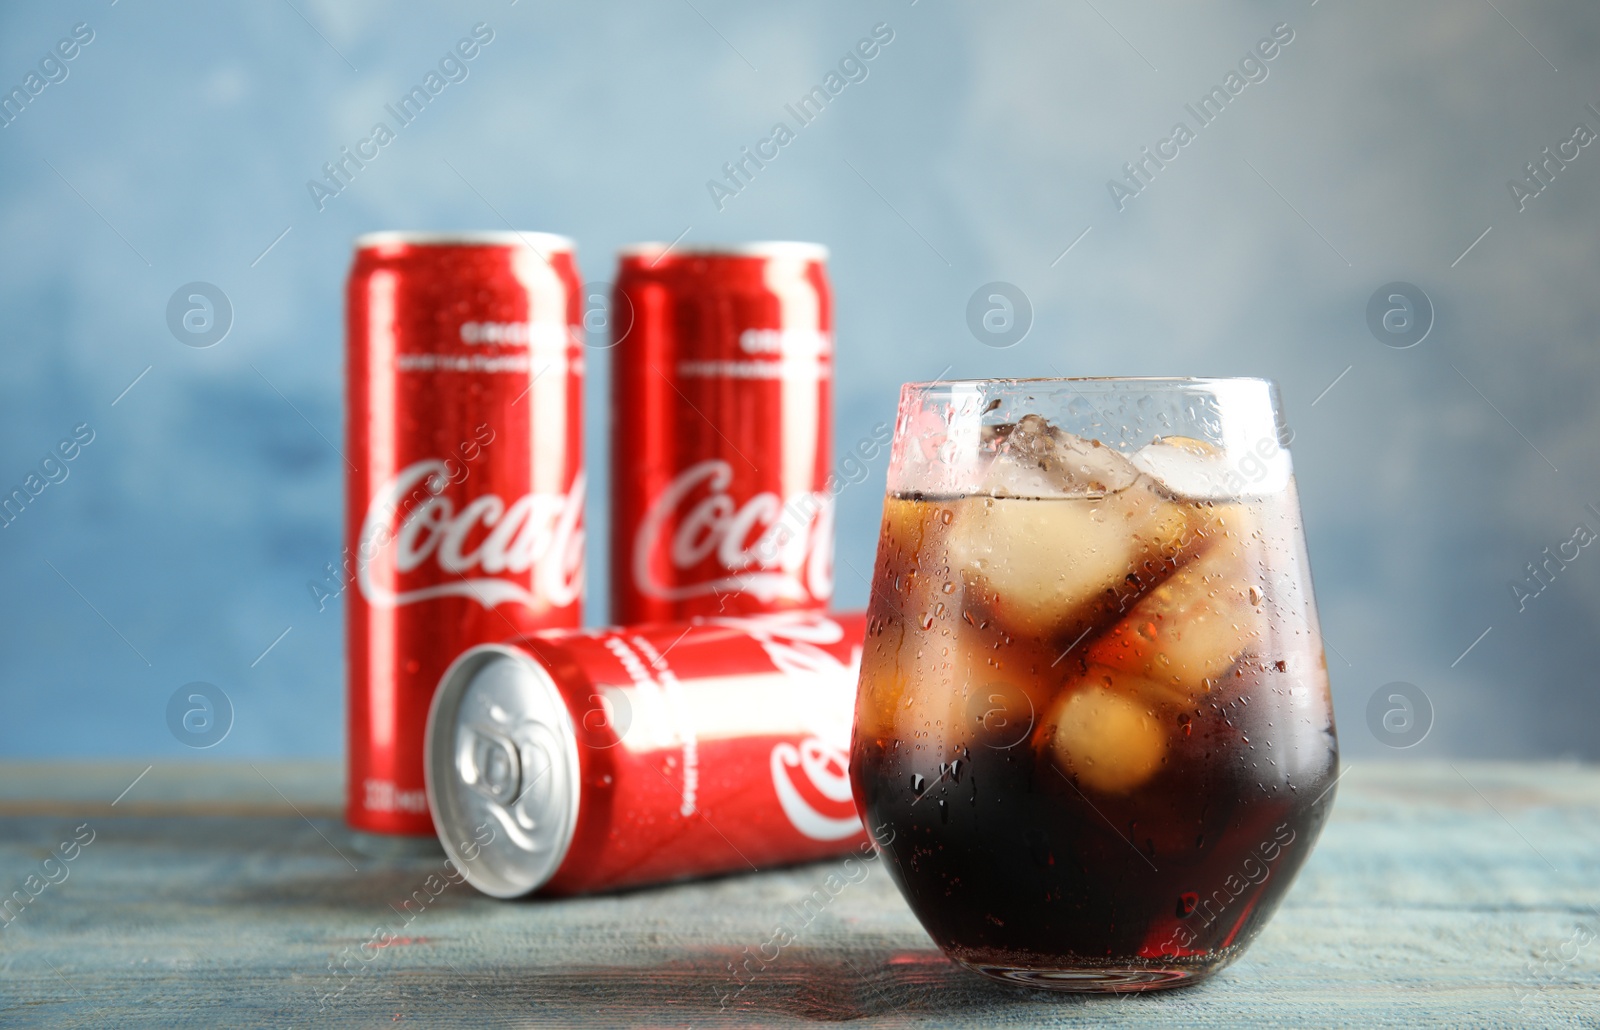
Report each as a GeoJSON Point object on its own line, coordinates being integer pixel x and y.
{"type": "Point", "coordinates": [722, 432]}
{"type": "Point", "coordinates": [464, 501]}
{"type": "Point", "coordinates": [584, 761]}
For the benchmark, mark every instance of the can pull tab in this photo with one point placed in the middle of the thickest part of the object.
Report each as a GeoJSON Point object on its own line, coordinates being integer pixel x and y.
{"type": "Point", "coordinates": [494, 768]}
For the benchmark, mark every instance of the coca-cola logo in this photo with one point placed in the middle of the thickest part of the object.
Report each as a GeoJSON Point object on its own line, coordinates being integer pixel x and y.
{"type": "Point", "coordinates": [542, 532]}
{"type": "Point", "coordinates": [812, 779]}
{"type": "Point", "coordinates": [795, 643]}
{"type": "Point", "coordinates": [798, 645]}
{"type": "Point", "coordinates": [768, 547]}
{"type": "Point", "coordinates": [828, 813]}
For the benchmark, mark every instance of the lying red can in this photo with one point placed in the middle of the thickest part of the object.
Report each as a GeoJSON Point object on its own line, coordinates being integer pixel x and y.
{"type": "Point", "coordinates": [572, 761]}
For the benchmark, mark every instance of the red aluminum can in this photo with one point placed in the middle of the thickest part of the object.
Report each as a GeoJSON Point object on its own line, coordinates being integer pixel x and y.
{"type": "Point", "coordinates": [591, 760]}
{"type": "Point", "coordinates": [464, 500]}
{"type": "Point", "coordinates": [722, 432]}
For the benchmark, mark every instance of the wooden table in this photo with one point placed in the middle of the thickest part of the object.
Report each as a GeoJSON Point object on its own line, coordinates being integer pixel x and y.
{"type": "Point", "coordinates": [226, 896]}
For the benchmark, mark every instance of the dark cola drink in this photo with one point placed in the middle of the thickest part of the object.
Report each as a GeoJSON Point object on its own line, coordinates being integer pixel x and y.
{"type": "Point", "coordinates": [1093, 710]}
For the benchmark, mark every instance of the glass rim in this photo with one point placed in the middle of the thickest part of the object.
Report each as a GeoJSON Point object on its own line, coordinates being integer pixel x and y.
{"type": "Point", "coordinates": [934, 384]}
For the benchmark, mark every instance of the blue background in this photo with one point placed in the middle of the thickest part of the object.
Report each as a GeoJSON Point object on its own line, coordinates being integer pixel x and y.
{"type": "Point", "coordinates": [977, 149]}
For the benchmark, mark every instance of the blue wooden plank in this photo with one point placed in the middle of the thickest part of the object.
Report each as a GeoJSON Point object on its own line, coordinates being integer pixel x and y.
{"type": "Point", "coordinates": [1438, 896]}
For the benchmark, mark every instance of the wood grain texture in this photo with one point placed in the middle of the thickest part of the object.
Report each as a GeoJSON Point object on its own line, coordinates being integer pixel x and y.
{"type": "Point", "coordinates": [1439, 895]}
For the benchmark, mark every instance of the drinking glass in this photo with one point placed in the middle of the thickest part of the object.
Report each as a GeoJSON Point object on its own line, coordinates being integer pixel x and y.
{"type": "Point", "coordinates": [1093, 723]}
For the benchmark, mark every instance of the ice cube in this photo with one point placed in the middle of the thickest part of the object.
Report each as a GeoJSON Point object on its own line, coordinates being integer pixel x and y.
{"type": "Point", "coordinates": [1039, 563]}
{"type": "Point", "coordinates": [1001, 687]}
{"type": "Point", "coordinates": [954, 688]}
{"type": "Point", "coordinates": [1184, 466]}
{"type": "Point", "coordinates": [913, 573]}
{"type": "Point", "coordinates": [909, 533]}
{"type": "Point", "coordinates": [1066, 530]}
{"type": "Point", "coordinates": [1036, 459]}
{"type": "Point", "coordinates": [913, 617]}
{"type": "Point", "coordinates": [883, 684]}
{"type": "Point", "coordinates": [998, 710]}
{"type": "Point", "coordinates": [910, 682]}
{"type": "Point", "coordinates": [1187, 631]}
{"type": "Point", "coordinates": [1048, 567]}
{"type": "Point", "coordinates": [1198, 470]}
{"type": "Point", "coordinates": [1105, 738]}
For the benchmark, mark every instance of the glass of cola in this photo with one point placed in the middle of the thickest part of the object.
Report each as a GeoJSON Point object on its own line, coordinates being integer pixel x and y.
{"type": "Point", "coordinates": [1093, 716]}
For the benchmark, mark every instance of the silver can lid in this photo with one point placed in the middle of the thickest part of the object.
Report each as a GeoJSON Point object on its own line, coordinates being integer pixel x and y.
{"type": "Point", "coordinates": [540, 241]}
{"type": "Point", "coordinates": [791, 249]}
{"type": "Point", "coordinates": [501, 762]}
